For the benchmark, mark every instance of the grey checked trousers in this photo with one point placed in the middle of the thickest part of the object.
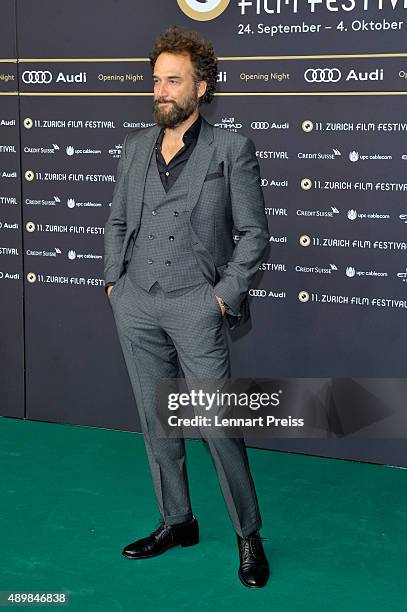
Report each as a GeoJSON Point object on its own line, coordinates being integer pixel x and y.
{"type": "Point", "coordinates": [154, 327]}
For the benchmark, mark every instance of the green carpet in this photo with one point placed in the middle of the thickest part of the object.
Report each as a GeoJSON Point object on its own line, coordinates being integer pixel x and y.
{"type": "Point", "coordinates": [72, 497]}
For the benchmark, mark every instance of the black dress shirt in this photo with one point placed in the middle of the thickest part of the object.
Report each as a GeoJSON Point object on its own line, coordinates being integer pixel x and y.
{"type": "Point", "coordinates": [170, 172]}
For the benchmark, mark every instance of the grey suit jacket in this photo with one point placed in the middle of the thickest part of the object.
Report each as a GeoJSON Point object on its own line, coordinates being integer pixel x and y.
{"type": "Point", "coordinates": [224, 193]}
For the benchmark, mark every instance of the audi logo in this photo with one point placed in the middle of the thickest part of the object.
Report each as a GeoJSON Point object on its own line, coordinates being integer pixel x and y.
{"type": "Point", "coordinates": [260, 125]}
{"type": "Point", "coordinates": [258, 292]}
{"type": "Point", "coordinates": [36, 76]}
{"type": "Point", "coordinates": [322, 75]}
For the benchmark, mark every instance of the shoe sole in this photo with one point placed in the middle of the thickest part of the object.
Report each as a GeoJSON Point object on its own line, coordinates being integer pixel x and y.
{"type": "Point", "coordinates": [183, 544]}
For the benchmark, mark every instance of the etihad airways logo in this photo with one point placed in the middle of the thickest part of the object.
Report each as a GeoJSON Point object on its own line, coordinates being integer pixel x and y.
{"type": "Point", "coordinates": [203, 10]}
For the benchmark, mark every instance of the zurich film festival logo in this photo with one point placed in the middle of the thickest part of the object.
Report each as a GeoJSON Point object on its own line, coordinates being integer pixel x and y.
{"type": "Point", "coordinates": [203, 10]}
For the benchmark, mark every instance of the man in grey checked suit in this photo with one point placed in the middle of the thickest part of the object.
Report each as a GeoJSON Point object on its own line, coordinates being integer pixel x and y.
{"type": "Point", "coordinates": [175, 277]}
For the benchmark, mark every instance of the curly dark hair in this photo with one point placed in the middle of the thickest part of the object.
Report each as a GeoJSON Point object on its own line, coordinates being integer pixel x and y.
{"type": "Point", "coordinates": [177, 40]}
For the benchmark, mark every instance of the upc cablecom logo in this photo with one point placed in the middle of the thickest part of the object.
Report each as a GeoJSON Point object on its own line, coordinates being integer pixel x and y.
{"type": "Point", "coordinates": [203, 10]}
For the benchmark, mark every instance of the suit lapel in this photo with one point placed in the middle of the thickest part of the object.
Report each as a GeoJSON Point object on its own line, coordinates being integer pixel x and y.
{"type": "Point", "coordinates": [198, 163]}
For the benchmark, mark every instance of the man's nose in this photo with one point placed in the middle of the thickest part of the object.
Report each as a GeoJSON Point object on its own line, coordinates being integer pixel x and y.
{"type": "Point", "coordinates": [162, 91]}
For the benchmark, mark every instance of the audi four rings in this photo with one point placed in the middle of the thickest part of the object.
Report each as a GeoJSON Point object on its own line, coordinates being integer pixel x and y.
{"type": "Point", "coordinates": [322, 75]}
{"type": "Point", "coordinates": [36, 76]}
{"type": "Point", "coordinates": [260, 125]}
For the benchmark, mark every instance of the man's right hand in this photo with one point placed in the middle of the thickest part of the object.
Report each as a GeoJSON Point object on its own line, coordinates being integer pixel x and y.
{"type": "Point", "coordinates": [109, 290]}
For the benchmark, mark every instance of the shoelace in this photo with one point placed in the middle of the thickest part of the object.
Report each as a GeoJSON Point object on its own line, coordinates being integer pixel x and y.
{"type": "Point", "coordinates": [251, 547]}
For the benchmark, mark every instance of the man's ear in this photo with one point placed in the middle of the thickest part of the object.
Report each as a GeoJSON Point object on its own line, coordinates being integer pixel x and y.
{"type": "Point", "coordinates": [202, 88]}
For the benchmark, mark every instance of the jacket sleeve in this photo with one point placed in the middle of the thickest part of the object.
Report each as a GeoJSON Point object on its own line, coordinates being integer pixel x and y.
{"type": "Point", "coordinates": [250, 220]}
{"type": "Point", "coordinates": [115, 227]}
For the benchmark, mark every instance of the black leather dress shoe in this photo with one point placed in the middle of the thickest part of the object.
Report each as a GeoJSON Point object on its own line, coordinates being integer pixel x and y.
{"type": "Point", "coordinates": [163, 538]}
{"type": "Point", "coordinates": [254, 568]}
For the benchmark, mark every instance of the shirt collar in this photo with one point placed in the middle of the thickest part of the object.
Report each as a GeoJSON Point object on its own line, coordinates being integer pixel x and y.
{"type": "Point", "coordinates": [193, 130]}
{"type": "Point", "coordinates": [191, 133]}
